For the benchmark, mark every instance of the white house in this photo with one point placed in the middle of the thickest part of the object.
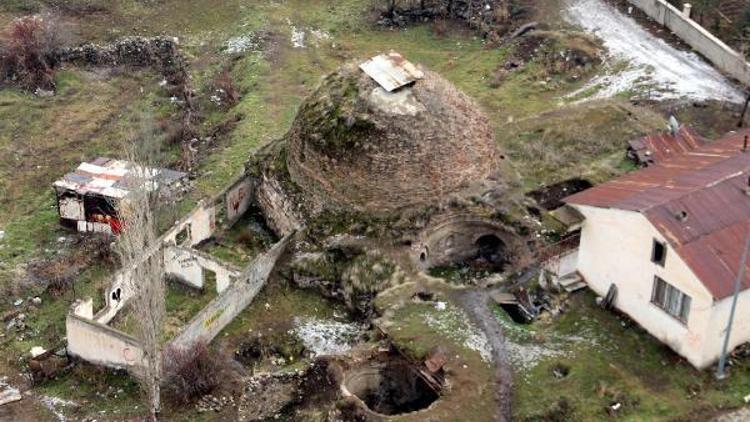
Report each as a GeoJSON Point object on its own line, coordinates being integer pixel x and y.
{"type": "Point", "coordinates": [670, 237]}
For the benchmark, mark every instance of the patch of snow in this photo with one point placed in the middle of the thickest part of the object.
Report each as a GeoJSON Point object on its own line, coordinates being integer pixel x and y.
{"type": "Point", "coordinates": [325, 337]}
{"type": "Point", "coordinates": [455, 325]}
{"type": "Point", "coordinates": [320, 35]}
{"type": "Point", "coordinates": [242, 44]}
{"type": "Point", "coordinates": [54, 404]}
{"type": "Point", "coordinates": [298, 37]}
{"type": "Point", "coordinates": [654, 68]}
{"type": "Point", "coordinates": [526, 352]}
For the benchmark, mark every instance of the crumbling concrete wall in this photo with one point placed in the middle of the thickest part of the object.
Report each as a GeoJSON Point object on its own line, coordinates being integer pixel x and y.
{"type": "Point", "coordinates": [98, 343]}
{"type": "Point", "coordinates": [189, 266]}
{"type": "Point", "coordinates": [238, 199]}
{"type": "Point", "coordinates": [720, 54]}
{"type": "Point", "coordinates": [222, 310]}
{"type": "Point", "coordinates": [196, 227]}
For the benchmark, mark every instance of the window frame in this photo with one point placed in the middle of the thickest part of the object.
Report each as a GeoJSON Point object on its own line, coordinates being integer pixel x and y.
{"type": "Point", "coordinates": [673, 301]}
{"type": "Point", "coordinates": [663, 245]}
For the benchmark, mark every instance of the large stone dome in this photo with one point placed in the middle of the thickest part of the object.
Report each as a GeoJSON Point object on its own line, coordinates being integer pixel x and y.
{"type": "Point", "coordinates": [355, 145]}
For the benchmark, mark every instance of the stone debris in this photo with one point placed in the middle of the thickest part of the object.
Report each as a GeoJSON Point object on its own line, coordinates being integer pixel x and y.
{"type": "Point", "coordinates": [210, 403]}
{"type": "Point", "coordinates": [8, 393]}
{"type": "Point", "coordinates": [266, 395]}
{"type": "Point", "coordinates": [55, 405]}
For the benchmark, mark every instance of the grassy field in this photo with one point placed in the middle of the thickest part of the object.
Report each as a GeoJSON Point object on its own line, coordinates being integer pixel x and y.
{"type": "Point", "coordinates": [610, 360]}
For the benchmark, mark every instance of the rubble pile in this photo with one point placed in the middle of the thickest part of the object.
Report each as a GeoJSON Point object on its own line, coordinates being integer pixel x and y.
{"type": "Point", "coordinates": [492, 18]}
{"type": "Point", "coordinates": [161, 53]}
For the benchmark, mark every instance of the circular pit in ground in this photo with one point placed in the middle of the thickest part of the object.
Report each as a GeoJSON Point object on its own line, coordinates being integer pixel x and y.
{"type": "Point", "coordinates": [392, 387]}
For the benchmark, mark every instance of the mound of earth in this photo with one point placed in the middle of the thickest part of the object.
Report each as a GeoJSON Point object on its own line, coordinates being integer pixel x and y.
{"type": "Point", "coordinates": [356, 146]}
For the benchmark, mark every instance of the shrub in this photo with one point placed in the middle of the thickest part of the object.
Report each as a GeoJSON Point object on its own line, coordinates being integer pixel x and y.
{"type": "Point", "coordinates": [191, 373]}
{"type": "Point", "coordinates": [27, 51]}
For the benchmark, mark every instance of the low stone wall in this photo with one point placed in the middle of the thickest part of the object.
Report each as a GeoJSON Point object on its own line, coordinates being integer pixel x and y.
{"type": "Point", "coordinates": [222, 310]}
{"type": "Point", "coordinates": [720, 54]}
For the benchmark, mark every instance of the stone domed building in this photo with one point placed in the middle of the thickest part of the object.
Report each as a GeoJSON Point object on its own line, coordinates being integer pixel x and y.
{"type": "Point", "coordinates": [402, 152]}
{"type": "Point", "coordinates": [356, 145]}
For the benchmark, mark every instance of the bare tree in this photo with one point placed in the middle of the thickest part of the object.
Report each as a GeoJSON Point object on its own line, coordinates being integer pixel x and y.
{"type": "Point", "coordinates": [139, 250]}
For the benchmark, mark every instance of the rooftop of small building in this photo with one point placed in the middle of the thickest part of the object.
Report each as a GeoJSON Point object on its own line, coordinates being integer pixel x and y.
{"type": "Point", "coordinates": [113, 178]}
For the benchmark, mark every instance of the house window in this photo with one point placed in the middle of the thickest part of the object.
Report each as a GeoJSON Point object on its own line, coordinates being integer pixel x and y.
{"type": "Point", "coordinates": [659, 253]}
{"type": "Point", "coordinates": [671, 300]}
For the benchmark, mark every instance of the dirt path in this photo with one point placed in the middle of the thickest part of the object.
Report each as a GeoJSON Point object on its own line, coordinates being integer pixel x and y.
{"type": "Point", "coordinates": [476, 304]}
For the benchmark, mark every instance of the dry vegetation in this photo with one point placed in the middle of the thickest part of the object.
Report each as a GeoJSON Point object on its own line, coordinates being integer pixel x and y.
{"type": "Point", "coordinates": [27, 52]}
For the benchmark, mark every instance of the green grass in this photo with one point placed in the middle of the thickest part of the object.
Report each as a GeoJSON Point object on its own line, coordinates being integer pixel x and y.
{"type": "Point", "coordinates": [611, 361]}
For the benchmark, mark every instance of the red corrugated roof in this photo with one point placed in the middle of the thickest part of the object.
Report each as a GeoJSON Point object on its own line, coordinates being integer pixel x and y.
{"type": "Point", "coordinates": [663, 146]}
{"type": "Point", "coordinates": [710, 185]}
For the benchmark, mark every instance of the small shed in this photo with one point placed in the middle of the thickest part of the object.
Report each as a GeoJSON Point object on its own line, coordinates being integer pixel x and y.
{"type": "Point", "coordinates": [87, 198]}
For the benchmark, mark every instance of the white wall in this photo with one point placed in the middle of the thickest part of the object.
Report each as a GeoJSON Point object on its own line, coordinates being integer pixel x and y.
{"type": "Point", "coordinates": [99, 344]}
{"type": "Point", "coordinates": [720, 318]}
{"type": "Point", "coordinates": [616, 248]}
{"type": "Point", "coordinates": [189, 264]}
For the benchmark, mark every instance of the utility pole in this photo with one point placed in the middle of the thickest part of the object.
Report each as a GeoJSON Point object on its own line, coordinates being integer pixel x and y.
{"type": "Point", "coordinates": [741, 123]}
{"type": "Point", "coordinates": [720, 373]}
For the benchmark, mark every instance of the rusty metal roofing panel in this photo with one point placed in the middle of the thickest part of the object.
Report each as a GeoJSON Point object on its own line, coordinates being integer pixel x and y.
{"type": "Point", "coordinates": [660, 147]}
{"type": "Point", "coordinates": [392, 71]}
{"type": "Point", "coordinates": [709, 184]}
{"type": "Point", "coordinates": [110, 178]}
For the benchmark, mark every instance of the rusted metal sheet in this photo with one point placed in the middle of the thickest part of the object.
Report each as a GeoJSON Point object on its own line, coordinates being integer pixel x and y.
{"type": "Point", "coordinates": [392, 71]}
{"type": "Point", "coordinates": [660, 147]}
{"type": "Point", "coordinates": [699, 200]}
{"type": "Point", "coordinates": [112, 178]}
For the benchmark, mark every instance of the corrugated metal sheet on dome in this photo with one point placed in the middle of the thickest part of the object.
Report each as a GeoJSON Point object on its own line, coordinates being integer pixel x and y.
{"type": "Point", "coordinates": [391, 71]}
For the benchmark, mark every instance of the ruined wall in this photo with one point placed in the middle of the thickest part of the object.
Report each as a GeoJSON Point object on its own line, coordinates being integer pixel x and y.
{"type": "Point", "coordinates": [238, 198]}
{"type": "Point", "coordinates": [277, 206]}
{"type": "Point", "coordinates": [720, 54]}
{"type": "Point", "coordinates": [161, 53]}
{"type": "Point", "coordinates": [98, 343]}
{"type": "Point", "coordinates": [197, 226]}
{"type": "Point", "coordinates": [490, 17]}
{"type": "Point", "coordinates": [189, 266]}
{"type": "Point", "coordinates": [222, 310]}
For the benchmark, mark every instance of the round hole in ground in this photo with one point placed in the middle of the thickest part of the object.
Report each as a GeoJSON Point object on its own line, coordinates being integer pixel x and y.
{"type": "Point", "coordinates": [393, 387]}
